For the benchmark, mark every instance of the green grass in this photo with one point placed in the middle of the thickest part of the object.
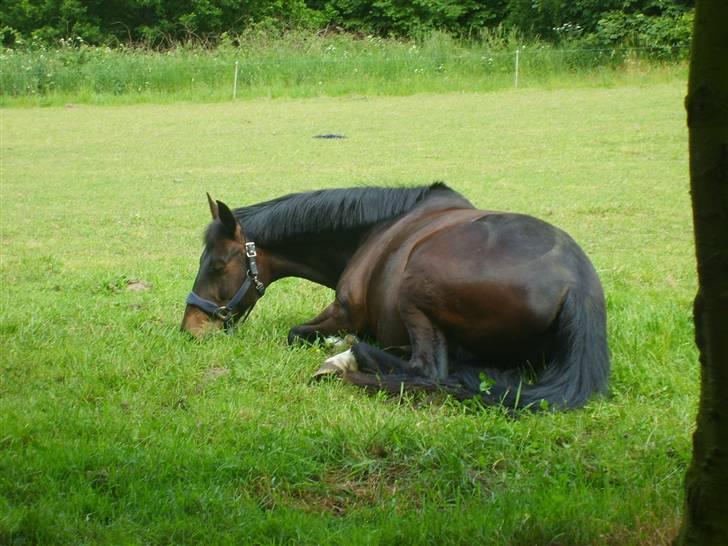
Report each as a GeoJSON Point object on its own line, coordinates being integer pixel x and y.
{"type": "Point", "coordinates": [305, 65]}
{"type": "Point", "coordinates": [115, 429]}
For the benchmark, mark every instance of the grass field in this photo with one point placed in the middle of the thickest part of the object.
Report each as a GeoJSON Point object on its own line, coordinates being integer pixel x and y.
{"type": "Point", "coordinates": [115, 429]}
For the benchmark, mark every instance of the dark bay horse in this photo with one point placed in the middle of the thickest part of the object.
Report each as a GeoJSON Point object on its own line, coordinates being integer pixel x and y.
{"type": "Point", "coordinates": [497, 305]}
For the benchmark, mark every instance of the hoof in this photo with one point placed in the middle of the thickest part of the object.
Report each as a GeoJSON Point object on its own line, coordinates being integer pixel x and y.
{"type": "Point", "coordinates": [293, 338]}
{"type": "Point", "coordinates": [341, 343]}
{"type": "Point", "coordinates": [337, 365]}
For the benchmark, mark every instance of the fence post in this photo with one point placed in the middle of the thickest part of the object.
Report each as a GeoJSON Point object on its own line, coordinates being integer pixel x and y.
{"type": "Point", "coordinates": [235, 82]}
{"type": "Point", "coordinates": [518, 55]}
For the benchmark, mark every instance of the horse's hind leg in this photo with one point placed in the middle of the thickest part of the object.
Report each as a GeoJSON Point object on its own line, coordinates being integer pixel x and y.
{"type": "Point", "coordinates": [397, 383]}
{"type": "Point", "coordinates": [377, 361]}
{"type": "Point", "coordinates": [379, 370]}
{"type": "Point", "coordinates": [429, 357]}
{"type": "Point", "coordinates": [429, 345]}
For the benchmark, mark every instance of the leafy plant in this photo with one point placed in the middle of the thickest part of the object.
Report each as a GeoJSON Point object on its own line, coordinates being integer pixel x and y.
{"type": "Point", "coordinates": [161, 24]}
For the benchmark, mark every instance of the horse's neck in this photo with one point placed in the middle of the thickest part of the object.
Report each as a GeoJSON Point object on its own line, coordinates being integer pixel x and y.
{"type": "Point", "coordinates": [323, 258]}
{"type": "Point", "coordinates": [320, 260]}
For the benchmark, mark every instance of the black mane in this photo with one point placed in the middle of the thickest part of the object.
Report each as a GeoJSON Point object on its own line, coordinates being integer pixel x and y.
{"type": "Point", "coordinates": [324, 211]}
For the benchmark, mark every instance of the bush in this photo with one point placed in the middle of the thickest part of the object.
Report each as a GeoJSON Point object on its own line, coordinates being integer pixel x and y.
{"type": "Point", "coordinates": [163, 23]}
{"type": "Point", "coordinates": [153, 22]}
{"type": "Point", "coordinates": [402, 18]}
{"type": "Point", "coordinates": [667, 35]}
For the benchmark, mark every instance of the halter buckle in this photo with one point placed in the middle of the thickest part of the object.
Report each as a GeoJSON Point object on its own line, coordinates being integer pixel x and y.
{"type": "Point", "coordinates": [224, 314]}
{"type": "Point", "coordinates": [250, 250]}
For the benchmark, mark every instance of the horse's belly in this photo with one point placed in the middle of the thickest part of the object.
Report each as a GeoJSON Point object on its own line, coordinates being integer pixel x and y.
{"type": "Point", "coordinates": [493, 342]}
{"type": "Point", "coordinates": [495, 319]}
{"type": "Point", "coordinates": [391, 331]}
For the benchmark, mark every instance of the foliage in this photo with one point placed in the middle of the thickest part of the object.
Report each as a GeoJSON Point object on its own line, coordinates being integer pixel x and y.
{"type": "Point", "coordinates": [557, 18]}
{"type": "Point", "coordinates": [159, 23]}
{"type": "Point", "coordinates": [661, 25]}
{"type": "Point", "coordinates": [662, 35]}
{"type": "Point", "coordinates": [401, 18]}
{"type": "Point", "coordinates": [153, 22]}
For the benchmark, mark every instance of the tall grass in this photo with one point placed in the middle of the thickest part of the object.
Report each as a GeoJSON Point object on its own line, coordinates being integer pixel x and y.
{"type": "Point", "coordinates": [301, 65]}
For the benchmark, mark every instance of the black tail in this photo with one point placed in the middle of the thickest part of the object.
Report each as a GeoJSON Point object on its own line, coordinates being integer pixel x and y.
{"type": "Point", "coordinates": [578, 368]}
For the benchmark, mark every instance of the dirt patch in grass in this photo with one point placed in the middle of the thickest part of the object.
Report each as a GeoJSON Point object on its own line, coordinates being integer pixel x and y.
{"type": "Point", "coordinates": [645, 533]}
{"type": "Point", "coordinates": [339, 492]}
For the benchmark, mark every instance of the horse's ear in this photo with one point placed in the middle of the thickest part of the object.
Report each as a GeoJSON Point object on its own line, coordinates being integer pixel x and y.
{"type": "Point", "coordinates": [232, 228]}
{"type": "Point", "coordinates": [213, 207]}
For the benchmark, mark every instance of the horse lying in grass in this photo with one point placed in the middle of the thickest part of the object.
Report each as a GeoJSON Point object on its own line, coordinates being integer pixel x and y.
{"type": "Point", "coordinates": [495, 305]}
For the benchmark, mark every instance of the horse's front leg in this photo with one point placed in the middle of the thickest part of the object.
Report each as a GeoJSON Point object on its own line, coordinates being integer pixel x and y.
{"type": "Point", "coordinates": [332, 321]}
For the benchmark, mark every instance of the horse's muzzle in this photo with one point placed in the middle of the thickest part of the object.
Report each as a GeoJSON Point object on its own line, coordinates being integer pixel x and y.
{"type": "Point", "coordinates": [197, 323]}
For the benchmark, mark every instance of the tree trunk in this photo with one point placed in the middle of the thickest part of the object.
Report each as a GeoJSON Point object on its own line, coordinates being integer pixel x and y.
{"type": "Point", "coordinates": [705, 521]}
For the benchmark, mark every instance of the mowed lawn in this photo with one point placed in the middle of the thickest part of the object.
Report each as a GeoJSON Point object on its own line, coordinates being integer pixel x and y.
{"type": "Point", "coordinates": [116, 429]}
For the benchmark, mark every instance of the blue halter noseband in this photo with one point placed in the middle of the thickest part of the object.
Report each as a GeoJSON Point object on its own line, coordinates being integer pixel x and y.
{"type": "Point", "coordinates": [226, 312]}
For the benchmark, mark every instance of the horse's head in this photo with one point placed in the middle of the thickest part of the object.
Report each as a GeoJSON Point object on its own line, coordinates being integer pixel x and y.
{"type": "Point", "coordinates": [227, 286]}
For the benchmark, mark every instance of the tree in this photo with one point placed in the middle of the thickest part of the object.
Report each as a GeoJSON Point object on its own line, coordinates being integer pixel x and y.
{"type": "Point", "coordinates": [705, 521]}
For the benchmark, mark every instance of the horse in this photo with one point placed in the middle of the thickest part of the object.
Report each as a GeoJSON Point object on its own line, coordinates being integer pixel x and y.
{"type": "Point", "coordinates": [498, 306]}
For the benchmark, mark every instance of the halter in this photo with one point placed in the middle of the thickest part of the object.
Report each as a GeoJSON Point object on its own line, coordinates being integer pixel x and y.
{"type": "Point", "coordinates": [225, 312]}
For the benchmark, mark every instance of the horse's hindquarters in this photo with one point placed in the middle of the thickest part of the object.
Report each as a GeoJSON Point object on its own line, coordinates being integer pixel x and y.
{"type": "Point", "coordinates": [495, 286]}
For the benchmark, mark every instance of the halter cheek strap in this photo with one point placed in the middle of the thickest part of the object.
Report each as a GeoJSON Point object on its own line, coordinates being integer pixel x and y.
{"type": "Point", "coordinates": [225, 312]}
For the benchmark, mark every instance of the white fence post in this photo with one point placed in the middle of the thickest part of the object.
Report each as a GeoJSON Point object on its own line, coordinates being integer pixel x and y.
{"type": "Point", "coordinates": [518, 55]}
{"type": "Point", "coordinates": [235, 82]}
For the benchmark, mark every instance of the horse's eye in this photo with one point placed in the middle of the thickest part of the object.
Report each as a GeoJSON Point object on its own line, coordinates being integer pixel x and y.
{"type": "Point", "coordinates": [217, 265]}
